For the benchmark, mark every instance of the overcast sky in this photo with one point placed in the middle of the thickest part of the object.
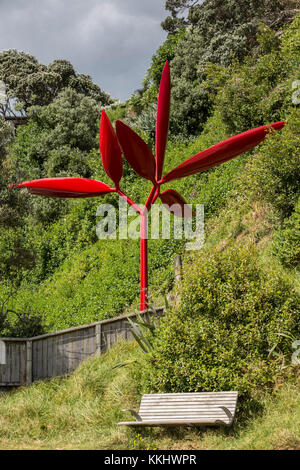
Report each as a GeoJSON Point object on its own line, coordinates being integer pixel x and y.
{"type": "Point", "coordinates": [111, 40]}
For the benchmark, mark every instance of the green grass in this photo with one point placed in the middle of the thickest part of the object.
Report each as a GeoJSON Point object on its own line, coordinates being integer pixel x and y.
{"type": "Point", "coordinates": [82, 411]}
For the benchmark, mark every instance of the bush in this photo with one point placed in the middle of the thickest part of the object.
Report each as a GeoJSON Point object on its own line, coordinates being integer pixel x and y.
{"type": "Point", "coordinates": [19, 324]}
{"type": "Point", "coordinates": [258, 91]}
{"type": "Point", "coordinates": [16, 255]}
{"type": "Point", "coordinates": [275, 171]}
{"type": "Point", "coordinates": [287, 240]}
{"type": "Point", "coordinates": [24, 325]}
{"type": "Point", "coordinates": [219, 337]}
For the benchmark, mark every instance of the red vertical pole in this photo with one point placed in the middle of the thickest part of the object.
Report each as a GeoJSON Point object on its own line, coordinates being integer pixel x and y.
{"type": "Point", "coordinates": [144, 262]}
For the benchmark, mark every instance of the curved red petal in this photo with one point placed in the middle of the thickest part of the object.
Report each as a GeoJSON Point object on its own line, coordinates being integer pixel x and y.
{"type": "Point", "coordinates": [221, 152]}
{"type": "Point", "coordinates": [110, 150]}
{"type": "Point", "coordinates": [66, 187]}
{"type": "Point", "coordinates": [136, 151]}
{"type": "Point", "coordinates": [175, 204]}
{"type": "Point", "coordinates": [162, 120]}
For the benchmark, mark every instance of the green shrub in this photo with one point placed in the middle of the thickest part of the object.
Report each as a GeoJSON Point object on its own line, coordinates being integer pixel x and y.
{"type": "Point", "coordinates": [258, 91]}
{"type": "Point", "coordinates": [23, 325]}
{"type": "Point", "coordinates": [275, 170]}
{"type": "Point", "coordinates": [16, 255]}
{"type": "Point", "coordinates": [229, 317]}
{"type": "Point", "coordinates": [286, 244]}
{"type": "Point", "coordinates": [116, 111]}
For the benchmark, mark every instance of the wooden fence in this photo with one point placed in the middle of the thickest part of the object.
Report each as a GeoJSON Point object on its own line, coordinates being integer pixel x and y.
{"type": "Point", "coordinates": [60, 353]}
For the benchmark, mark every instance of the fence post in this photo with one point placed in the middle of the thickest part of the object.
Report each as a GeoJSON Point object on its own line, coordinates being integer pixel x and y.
{"type": "Point", "coordinates": [178, 268]}
{"type": "Point", "coordinates": [2, 352]}
{"type": "Point", "coordinates": [178, 278]}
{"type": "Point", "coordinates": [28, 362]}
{"type": "Point", "coordinates": [98, 338]}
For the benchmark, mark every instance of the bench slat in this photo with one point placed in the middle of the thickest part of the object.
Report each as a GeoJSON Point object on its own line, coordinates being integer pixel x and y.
{"type": "Point", "coordinates": [190, 400]}
{"type": "Point", "coordinates": [178, 422]}
{"type": "Point", "coordinates": [186, 406]}
{"type": "Point", "coordinates": [187, 399]}
{"type": "Point", "coordinates": [189, 403]}
{"type": "Point", "coordinates": [187, 418]}
{"type": "Point", "coordinates": [205, 400]}
{"type": "Point", "coordinates": [182, 412]}
{"type": "Point", "coordinates": [188, 394]}
{"type": "Point", "coordinates": [183, 403]}
{"type": "Point", "coordinates": [172, 412]}
{"type": "Point", "coordinates": [222, 417]}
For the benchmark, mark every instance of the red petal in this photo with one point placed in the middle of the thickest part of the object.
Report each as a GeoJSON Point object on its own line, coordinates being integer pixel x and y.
{"type": "Point", "coordinates": [162, 120]}
{"type": "Point", "coordinates": [110, 150]}
{"type": "Point", "coordinates": [66, 187]}
{"type": "Point", "coordinates": [221, 152]}
{"type": "Point", "coordinates": [136, 151]}
{"type": "Point", "coordinates": [170, 198]}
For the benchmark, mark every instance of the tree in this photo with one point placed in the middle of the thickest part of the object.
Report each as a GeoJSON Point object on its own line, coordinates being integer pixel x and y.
{"type": "Point", "coordinates": [143, 102]}
{"type": "Point", "coordinates": [30, 83]}
{"type": "Point", "coordinates": [220, 32]}
{"type": "Point", "coordinates": [56, 141]}
{"type": "Point", "coordinates": [177, 7]}
{"type": "Point", "coordinates": [10, 205]}
{"type": "Point", "coordinates": [165, 52]}
{"type": "Point", "coordinates": [279, 11]}
{"type": "Point", "coordinates": [67, 126]}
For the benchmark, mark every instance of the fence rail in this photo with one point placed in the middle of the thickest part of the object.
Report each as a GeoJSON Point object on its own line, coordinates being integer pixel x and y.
{"type": "Point", "coordinates": [60, 353]}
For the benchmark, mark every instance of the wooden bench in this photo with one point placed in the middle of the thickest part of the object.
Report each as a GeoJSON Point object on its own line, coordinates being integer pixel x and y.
{"type": "Point", "coordinates": [173, 409]}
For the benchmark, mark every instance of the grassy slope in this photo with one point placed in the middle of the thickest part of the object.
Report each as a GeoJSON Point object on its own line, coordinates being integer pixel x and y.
{"type": "Point", "coordinates": [81, 412]}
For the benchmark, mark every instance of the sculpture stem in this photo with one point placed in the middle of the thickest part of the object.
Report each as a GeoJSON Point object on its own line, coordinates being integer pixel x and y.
{"type": "Point", "coordinates": [143, 242]}
{"type": "Point", "coordinates": [129, 201]}
{"type": "Point", "coordinates": [144, 248]}
{"type": "Point", "coordinates": [144, 261]}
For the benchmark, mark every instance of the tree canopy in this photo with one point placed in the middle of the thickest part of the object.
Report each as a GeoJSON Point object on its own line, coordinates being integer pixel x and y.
{"type": "Point", "coordinates": [30, 83]}
{"type": "Point", "coordinates": [220, 32]}
{"type": "Point", "coordinates": [177, 7]}
{"type": "Point", "coordinates": [278, 11]}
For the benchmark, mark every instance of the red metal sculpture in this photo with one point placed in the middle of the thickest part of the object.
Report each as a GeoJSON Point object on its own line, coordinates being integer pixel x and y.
{"type": "Point", "coordinates": [140, 158]}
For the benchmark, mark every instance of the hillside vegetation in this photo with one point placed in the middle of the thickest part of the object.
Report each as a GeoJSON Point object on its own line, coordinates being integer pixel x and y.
{"type": "Point", "coordinates": [237, 314]}
{"type": "Point", "coordinates": [50, 253]}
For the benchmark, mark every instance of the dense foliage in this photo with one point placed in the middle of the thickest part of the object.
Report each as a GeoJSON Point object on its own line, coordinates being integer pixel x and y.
{"type": "Point", "coordinates": [230, 315]}
{"type": "Point", "coordinates": [221, 33]}
{"type": "Point", "coordinates": [236, 302]}
{"type": "Point", "coordinates": [275, 172]}
{"type": "Point", "coordinates": [49, 249]}
{"type": "Point", "coordinates": [30, 83]}
{"type": "Point", "coordinates": [287, 240]}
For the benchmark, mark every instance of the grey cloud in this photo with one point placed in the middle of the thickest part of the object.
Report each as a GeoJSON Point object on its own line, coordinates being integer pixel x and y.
{"type": "Point", "coordinates": [111, 40]}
